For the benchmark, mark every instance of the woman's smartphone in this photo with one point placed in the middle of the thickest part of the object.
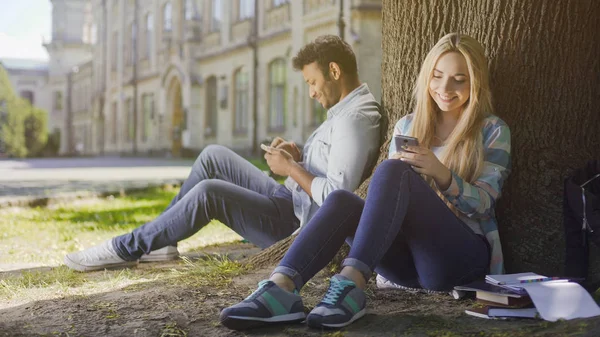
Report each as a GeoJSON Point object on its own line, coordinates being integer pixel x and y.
{"type": "Point", "coordinates": [401, 141]}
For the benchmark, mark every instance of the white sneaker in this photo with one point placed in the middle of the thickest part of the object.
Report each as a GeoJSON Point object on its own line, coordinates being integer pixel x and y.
{"type": "Point", "coordinates": [164, 254]}
{"type": "Point", "coordinates": [383, 283]}
{"type": "Point", "coordinates": [97, 258]}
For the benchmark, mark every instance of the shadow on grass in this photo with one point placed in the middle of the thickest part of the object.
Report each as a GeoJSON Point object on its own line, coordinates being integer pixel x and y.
{"type": "Point", "coordinates": [130, 212]}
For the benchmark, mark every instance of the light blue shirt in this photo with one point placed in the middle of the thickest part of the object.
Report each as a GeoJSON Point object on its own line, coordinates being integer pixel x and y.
{"type": "Point", "coordinates": [340, 152]}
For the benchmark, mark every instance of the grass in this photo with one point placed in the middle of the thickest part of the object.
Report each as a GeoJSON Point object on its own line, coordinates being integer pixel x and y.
{"type": "Point", "coordinates": [38, 238]}
{"type": "Point", "coordinates": [215, 271]}
{"type": "Point", "coordinates": [42, 236]}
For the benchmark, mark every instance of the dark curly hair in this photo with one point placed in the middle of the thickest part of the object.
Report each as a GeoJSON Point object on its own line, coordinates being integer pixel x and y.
{"type": "Point", "coordinates": [325, 49]}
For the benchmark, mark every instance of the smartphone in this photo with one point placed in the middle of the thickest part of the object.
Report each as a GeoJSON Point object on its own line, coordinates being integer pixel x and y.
{"type": "Point", "coordinates": [265, 147]}
{"type": "Point", "coordinates": [405, 140]}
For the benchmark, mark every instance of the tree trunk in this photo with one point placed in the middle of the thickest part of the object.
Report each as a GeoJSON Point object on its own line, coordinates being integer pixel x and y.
{"type": "Point", "coordinates": [545, 80]}
{"type": "Point", "coordinates": [544, 66]}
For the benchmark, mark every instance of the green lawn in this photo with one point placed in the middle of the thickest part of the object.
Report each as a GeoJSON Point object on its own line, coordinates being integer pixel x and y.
{"type": "Point", "coordinates": [42, 236]}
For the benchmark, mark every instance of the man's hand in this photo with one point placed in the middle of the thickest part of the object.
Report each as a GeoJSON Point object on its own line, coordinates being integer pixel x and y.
{"type": "Point", "coordinates": [290, 147]}
{"type": "Point", "coordinates": [280, 161]}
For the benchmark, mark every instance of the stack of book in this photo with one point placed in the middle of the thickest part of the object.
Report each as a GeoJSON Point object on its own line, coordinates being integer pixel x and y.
{"type": "Point", "coordinates": [497, 302]}
{"type": "Point", "coordinates": [530, 295]}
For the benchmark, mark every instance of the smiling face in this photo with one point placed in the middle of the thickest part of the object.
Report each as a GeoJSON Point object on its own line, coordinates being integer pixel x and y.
{"type": "Point", "coordinates": [325, 91]}
{"type": "Point", "coordinates": [450, 85]}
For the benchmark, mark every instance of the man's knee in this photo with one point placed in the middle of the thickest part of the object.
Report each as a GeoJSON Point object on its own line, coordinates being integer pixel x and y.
{"type": "Point", "coordinates": [210, 154]}
{"type": "Point", "coordinates": [206, 190]}
{"type": "Point", "coordinates": [211, 151]}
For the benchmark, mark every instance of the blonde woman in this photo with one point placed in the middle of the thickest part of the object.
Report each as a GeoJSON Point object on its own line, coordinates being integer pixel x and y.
{"type": "Point", "coordinates": [428, 220]}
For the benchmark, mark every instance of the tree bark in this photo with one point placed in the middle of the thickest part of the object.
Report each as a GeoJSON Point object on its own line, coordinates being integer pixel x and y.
{"type": "Point", "coordinates": [543, 58]}
{"type": "Point", "coordinates": [545, 81]}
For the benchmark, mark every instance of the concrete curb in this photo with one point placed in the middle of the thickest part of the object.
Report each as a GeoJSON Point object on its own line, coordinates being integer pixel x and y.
{"type": "Point", "coordinates": [44, 201]}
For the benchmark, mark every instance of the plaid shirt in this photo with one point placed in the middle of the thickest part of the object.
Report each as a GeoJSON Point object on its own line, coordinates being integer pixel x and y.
{"type": "Point", "coordinates": [476, 201]}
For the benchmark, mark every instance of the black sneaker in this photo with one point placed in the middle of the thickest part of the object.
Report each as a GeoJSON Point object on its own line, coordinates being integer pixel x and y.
{"type": "Point", "coordinates": [343, 304]}
{"type": "Point", "coordinates": [269, 304]}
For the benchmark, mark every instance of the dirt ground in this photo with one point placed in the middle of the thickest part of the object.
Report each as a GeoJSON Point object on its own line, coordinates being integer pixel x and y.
{"type": "Point", "coordinates": [169, 308]}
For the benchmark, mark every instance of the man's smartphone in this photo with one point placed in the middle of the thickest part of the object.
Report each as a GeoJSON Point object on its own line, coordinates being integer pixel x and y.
{"type": "Point", "coordinates": [265, 147]}
{"type": "Point", "coordinates": [404, 141]}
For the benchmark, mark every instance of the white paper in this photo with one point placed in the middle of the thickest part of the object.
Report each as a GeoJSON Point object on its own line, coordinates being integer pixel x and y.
{"type": "Point", "coordinates": [561, 300]}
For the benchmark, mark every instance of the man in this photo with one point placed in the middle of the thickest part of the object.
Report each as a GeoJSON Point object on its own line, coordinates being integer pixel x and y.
{"type": "Point", "coordinates": [226, 187]}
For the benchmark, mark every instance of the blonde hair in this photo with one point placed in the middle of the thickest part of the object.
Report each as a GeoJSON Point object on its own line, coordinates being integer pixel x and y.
{"type": "Point", "coordinates": [464, 146]}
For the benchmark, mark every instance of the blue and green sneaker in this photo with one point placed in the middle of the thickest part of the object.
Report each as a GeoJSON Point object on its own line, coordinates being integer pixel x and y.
{"type": "Point", "coordinates": [343, 304]}
{"type": "Point", "coordinates": [269, 304]}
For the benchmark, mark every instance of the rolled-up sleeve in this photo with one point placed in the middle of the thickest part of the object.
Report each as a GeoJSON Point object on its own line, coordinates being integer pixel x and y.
{"type": "Point", "coordinates": [354, 143]}
{"type": "Point", "coordinates": [477, 200]}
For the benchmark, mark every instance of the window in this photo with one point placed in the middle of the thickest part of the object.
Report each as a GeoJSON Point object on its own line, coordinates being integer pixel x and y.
{"type": "Point", "coordinates": [167, 17]}
{"type": "Point", "coordinates": [94, 34]}
{"type": "Point", "coordinates": [210, 128]}
{"type": "Point", "coordinates": [132, 47]}
{"type": "Point", "coordinates": [246, 9]}
{"type": "Point", "coordinates": [28, 95]}
{"type": "Point", "coordinates": [240, 101]}
{"type": "Point", "coordinates": [129, 126]}
{"type": "Point", "coordinates": [114, 133]}
{"type": "Point", "coordinates": [147, 115]}
{"type": "Point", "coordinates": [215, 21]}
{"type": "Point", "coordinates": [318, 113]}
{"type": "Point", "coordinates": [277, 95]}
{"type": "Point", "coordinates": [189, 10]}
{"type": "Point", "coordinates": [115, 51]}
{"type": "Point", "coordinates": [277, 3]}
{"type": "Point", "coordinates": [149, 36]}
{"type": "Point", "coordinates": [58, 100]}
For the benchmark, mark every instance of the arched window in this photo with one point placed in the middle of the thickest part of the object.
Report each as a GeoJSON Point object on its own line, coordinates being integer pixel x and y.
{"type": "Point", "coordinates": [167, 17]}
{"type": "Point", "coordinates": [28, 95]}
{"type": "Point", "coordinates": [277, 95]}
{"type": "Point", "coordinates": [149, 35]}
{"type": "Point", "coordinates": [246, 9]}
{"type": "Point", "coordinates": [318, 113]}
{"type": "Point", "coordinates": [241, 101]}
{"type": "Point", "coordinates": [189, 10]}
{"type": "Point", "coordinates": [216, 16]}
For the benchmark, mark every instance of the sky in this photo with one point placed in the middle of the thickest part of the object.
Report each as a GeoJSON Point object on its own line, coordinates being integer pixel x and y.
{"type": "Point", "coordinates": [23, 23]}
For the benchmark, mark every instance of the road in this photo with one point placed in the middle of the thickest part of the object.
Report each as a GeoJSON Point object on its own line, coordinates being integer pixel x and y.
{"type": "Point", "coordinates": [56, 176]}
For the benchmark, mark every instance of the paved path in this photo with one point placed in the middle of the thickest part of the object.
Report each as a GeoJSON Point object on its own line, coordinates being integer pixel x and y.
{"type": "Point", "coordinates": [35, 178]}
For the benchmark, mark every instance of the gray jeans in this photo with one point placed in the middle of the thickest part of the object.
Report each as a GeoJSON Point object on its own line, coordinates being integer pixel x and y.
{"type": "Point", "coordinates": [223, 186]}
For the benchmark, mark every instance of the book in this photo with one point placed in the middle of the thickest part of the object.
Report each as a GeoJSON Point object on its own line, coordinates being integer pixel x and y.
{"type": "Point", "coordinates": [517, 282]}
{"type": "Point", "coordinates": [503, 299]}
{"type": "Point", "coordinates": [481, 286]}
{"type": "Point", "coordinates": [491, 312]}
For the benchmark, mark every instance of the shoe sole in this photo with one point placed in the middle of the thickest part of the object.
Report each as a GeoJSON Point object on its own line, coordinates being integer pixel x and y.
{"type": "Point", "coordinates": [245, 323]}
{"type": "Point", "coordinates": [78, 267]}
{"type": "Point", "coordinates": [158, 258]}
{"type": "Point", "coordinates": [317, 324]}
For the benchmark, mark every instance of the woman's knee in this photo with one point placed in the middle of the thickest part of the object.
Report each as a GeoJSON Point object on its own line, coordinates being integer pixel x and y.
{"type": "Point", "coordinates": [392, 166]}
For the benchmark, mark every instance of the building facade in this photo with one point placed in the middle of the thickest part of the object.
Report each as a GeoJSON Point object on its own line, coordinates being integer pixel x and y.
{"type": "Point", "coordinates": [170, 77]}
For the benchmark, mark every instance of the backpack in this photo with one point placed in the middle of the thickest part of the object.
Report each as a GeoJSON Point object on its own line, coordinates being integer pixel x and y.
{"type": "Point", "coordinates": [581, 215]}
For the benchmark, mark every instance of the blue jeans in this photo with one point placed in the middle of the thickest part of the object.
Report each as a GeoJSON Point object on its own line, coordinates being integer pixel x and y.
{"type": "Point", "coordinates": [223, 186]}
{"type": "Point", "coordinates": [403, 231]}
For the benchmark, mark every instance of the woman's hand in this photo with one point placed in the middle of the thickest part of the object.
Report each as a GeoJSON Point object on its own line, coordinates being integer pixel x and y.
{"type": "Point", "coordinates": [424, 161]}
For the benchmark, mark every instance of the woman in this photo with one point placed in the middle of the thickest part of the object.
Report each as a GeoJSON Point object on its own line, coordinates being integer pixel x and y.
{"type": "Point", "coordinates": [428, 220]}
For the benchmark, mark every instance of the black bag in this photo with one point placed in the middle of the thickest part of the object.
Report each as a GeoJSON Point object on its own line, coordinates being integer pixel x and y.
{"type": "Point", "coordinates": [581, 207]}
